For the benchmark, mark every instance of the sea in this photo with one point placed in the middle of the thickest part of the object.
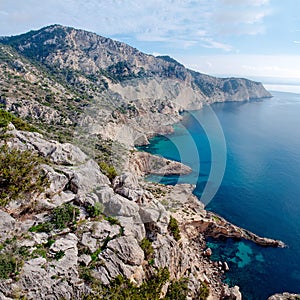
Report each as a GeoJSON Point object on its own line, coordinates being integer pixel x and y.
{"type": "Point", "coordinates": [245, 158]}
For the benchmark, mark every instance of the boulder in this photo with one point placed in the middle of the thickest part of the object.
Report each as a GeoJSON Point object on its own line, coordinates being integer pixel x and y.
{"type": "Point", "coordinates": [132, 226]}
{"type": "Point", "coordinates": [7, 226]}
{"type": "Point", "coordinates": [232, 293]}
{"type": "Point", "coordinates": [127, 249]}
{"type": "Point", "coordinates": [58, 180]}
{"type": "Point", "coordinates": [103, 230]}
{"type": "Point", "coordinates": [284, 296]}
{"type": "Point", "coordinates": [207, 252]}
{"type": "Point", "coordinates": [86, 177]}
{"type": "Point", "coordinates": [127, 186]}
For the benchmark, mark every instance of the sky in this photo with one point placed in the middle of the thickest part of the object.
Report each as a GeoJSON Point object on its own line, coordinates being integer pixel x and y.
{"type": "Point", "coordinates": [249, 38]}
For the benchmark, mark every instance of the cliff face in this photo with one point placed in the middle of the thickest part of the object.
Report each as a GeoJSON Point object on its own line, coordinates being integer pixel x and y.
{"type": "Point", "coordinates": [70, 225]}
{"type": "Point", "coordinates": [138, 94]}
{"type": "Point", "coordinates": [75, 236]}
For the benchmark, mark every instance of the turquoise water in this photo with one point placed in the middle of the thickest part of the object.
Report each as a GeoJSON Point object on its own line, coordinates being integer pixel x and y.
{"type": "Point", "coordinates": [260, 190]}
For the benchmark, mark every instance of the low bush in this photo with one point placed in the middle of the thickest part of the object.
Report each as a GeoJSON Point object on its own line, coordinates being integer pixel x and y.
{"type": "Point", "coordinates": [204, 291]}
{"type": "Point", "coordinates": [122, 288]}
{"type": "Point", "coordinates": [60, 218]}
{"type": "Point", "coordinates": [95, 210]}
{"type": "Point", "coordinates": [60, 254]}
{"type": "Point", "coordinates": [8, 265]}
{"type": "Point", "coordinates": [64, 215]}
{"type": "Point", "coordinates": [7, 117]}
{"type": "Point", "coordinates": [112, 220]}
{"type": "Point", "coordinates": [108, 170]}
{"type": "Point", "coordinates": [177, 290]}
{"type": "Point", "coordinates": [20, 175]}
{"type": "Point", "coordinates": [147, 247]}
{"type": "Point", "coordinates": [174, 229]}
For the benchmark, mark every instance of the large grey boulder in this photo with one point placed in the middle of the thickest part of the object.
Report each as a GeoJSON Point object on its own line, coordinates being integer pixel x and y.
{"type": "Point", "coordinates": [116, 205]}
{"type": "Point", "coordinates": [132, 226]}
{"type": "Point", "coordinates": [112, 266]}
{"type": "Point", "coordinates": [123, 256]}
{"type": "Point", "coordinates": [58, 180]}
{"type": "Point", "coordinates": [7, 226]}
{"type": "Point", "coordinates": [102, 230]}
{"type": "Point", "coordinates": [86, 177]}
{"type": "Point", "coordinates": [127, 249]}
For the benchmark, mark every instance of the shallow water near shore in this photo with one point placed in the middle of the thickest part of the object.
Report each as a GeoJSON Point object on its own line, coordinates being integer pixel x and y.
{"type": "Point", "coordinates": [260, 190]}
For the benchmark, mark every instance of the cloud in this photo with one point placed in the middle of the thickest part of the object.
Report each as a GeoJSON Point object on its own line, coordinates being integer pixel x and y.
{"type": "Point", "coordinates": [178, 23]}
{"type": "Point", "coordinates": [210, 43]}
{"type": "Point", "coordinates": [246, 2]}
{"type": "Point", "coordinates": [241, 17]}
{"type": "Point", "coordinates": [281, 66]}
{"type": "Point", "coordinates": [296, 42]}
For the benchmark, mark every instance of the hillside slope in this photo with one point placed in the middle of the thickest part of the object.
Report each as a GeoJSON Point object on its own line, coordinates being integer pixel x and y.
{"type": "Point", "coordinates": [111, 88]}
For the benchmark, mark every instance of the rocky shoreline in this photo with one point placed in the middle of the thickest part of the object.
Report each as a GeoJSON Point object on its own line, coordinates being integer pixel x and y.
{"type": "Point", "coordinates": [91, 226]}
{"type": "Point", "coordinates": [142, 210]}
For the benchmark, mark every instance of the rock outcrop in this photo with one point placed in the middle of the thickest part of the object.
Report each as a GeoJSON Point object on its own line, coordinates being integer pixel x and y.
{"type": "Point", "coordinates": [285, 296]}
{"type": "Point", "coordinates": [55, 262]}
{"type": "Point", "coordinates": [143, 163]}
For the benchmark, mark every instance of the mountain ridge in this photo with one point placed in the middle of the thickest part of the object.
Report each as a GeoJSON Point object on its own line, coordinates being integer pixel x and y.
{"type": "Point", "coordinates": [146, 94]}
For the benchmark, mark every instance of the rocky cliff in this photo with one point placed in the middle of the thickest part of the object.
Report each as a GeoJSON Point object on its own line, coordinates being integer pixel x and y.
{"type": "Point", "coordinates": [76, 77]}
{"type": "Point", "coordinates": [77, 219]}
{"type": "Point", "coordinates": [79, 232]}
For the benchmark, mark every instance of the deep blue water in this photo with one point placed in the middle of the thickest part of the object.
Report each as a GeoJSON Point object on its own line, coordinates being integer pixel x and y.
{"type": "Point", "coordinates": [260, 190]}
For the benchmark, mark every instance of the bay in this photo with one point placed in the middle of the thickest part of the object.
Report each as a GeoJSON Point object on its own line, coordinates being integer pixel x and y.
{"type": "Point", "coordinates": [260, 189]}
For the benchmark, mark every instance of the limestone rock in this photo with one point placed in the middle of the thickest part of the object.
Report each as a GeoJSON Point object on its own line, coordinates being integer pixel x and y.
{"type": "Point", "coordinates": [88, 241]}
{"type": "Point", "coordinates": [133, 226]}
{"type": "Point", "coordinates": [127, 249]}
{"type": "Point", "coordinates": [103, 230]}
{"type": "Point", "coordinates": [62, 154]}
{"type": "Point", "coordinates": [207, 252]}
{"type": "Point", "coordinates": [84, 259]}
{"type": "Point", "coordinates": [231, 293]}
{"type": "Point", "coordinates": [86, 177]}
{"type": "Point", "coordinates": [127, 186]}
{"type": "Point", "coordinates": [58, 181]}
{"type": "Point", "coordinates": [284, 296]}
{"type": "Point", "coordinates": [7, 226]}
{"type": "Point", "coordinates": [144, 163]}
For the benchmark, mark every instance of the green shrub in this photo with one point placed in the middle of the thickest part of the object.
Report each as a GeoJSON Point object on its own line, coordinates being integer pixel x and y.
{"type": "Point", "coordinates": [60, 254]}
{"type": "Point", "coordinates": [8, 265]}
{"type": "Point", "coordinates": [204, 291]}
{"type": "Point", "coordinates": [94, 255]}
{"type": "Point", "coordinates": [108, 170]}
{"type": "Point", "coordinates": [174, 229]}
{"type": "Point", "coordinates": [64, 215]}
{"type": "Point", "coordinates": [177, 290]}
{"type": "Point", "coordinates": [40, 251]}
{"type": "Point", "coordinates": [7, 117]}
{"type": "Point", "coordinates": [146, 245]}
{"type": "Point", "coordinates": [122, 288]}
{"type": "Point", "coordinates": [60, 218]}
{"type": "Point", "coordinates": [43, 227]}
{"type": "Point", "coordinates": [20, 175]}
{"type": "Point", "coordinates": [112, 220]}
{"type": "Point", "coordinates": [95, 210]}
